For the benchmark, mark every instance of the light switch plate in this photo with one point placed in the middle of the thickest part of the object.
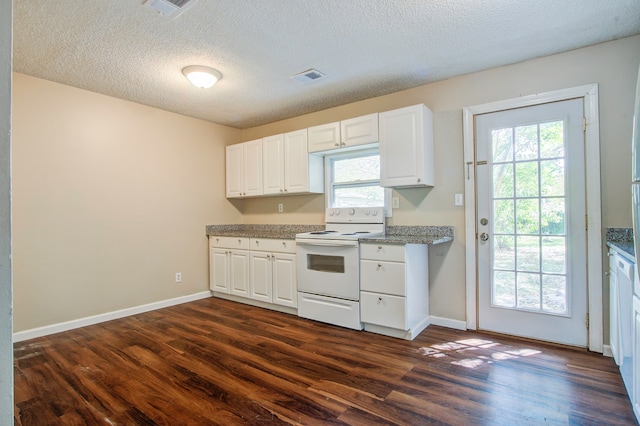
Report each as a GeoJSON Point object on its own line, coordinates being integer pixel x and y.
{"type": "Point", "coordinates": [458, 200]}
{"type": "Point", "coordinates": [395, 202]}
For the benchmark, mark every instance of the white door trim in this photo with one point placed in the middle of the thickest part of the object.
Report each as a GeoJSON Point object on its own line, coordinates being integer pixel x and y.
{"type": "Point", "coordinates": [594, 234]}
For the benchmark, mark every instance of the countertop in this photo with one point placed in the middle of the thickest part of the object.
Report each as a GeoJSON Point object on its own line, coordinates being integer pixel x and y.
{"type": "Point", "coordinates": [394, 234]}
{"type": "Point", "coordinates": [621, 240]}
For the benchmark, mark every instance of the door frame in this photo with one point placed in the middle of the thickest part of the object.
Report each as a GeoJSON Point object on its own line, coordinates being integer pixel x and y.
{"type": "Point", "coordinates": [589, 94]}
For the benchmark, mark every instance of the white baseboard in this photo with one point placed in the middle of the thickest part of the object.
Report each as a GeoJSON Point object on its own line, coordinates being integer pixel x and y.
{"type": "Point", "coordinates": [606, 351]}
{"type": "Point", "coordinates": [449, 323]}
{"type": "Point", "coordinates": [95, 319]}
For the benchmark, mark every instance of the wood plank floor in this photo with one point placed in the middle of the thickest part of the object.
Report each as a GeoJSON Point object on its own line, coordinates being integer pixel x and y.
{"type": "Point", "coordinates": [216, 362]}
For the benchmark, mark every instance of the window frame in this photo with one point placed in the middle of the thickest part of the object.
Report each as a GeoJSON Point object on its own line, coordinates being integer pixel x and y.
{"type": "Point", "coordinates": [330, 185]}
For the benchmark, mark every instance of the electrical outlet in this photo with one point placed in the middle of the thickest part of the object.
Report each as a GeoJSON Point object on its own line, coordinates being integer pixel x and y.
{"type": "Point", "coordinates": [178, 277]}
{"type": "Point", "coordinates": [395, 202]}
{"type": "Point", "coordinates": [280, 208]}
{"type": "Point", "coordinates": [458, 200]}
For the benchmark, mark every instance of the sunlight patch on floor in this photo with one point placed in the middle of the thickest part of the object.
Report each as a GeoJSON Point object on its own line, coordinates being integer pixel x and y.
{"type": "Point", "coordinates": [491, 352]}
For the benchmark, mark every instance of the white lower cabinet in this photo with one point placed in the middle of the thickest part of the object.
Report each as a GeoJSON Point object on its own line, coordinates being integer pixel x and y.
{"type": "Point", "coordinates": [394, 289]}
{"type": "Point", "coordinates": [635, 396]}
{"type": "Point", "coordinates": [273, 278]}
{"type": "Point", "coordinates": [256, 269]}
{"type": "Point", "coordinates": [229, 265]}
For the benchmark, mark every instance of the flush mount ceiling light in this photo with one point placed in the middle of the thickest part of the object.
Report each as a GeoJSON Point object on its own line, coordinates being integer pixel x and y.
{"type": "Point", "coordinates": [201, 76]}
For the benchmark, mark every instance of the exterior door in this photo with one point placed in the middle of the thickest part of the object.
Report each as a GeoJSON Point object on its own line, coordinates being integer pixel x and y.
{"type": "Point", "coordinates": [531, 233]}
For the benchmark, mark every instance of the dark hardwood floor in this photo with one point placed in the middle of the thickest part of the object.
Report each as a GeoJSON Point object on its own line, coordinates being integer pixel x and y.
{"type": "Point", "coordinates": [218, 362]}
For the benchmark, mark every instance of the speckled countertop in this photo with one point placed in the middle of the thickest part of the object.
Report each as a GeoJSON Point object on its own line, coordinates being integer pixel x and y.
{"type": "Point", "coordinates": [621, 239]}
{"type": "Point", "coordinates": [414, 235]}
{"type": "Point", "coordinates": [394, 234]}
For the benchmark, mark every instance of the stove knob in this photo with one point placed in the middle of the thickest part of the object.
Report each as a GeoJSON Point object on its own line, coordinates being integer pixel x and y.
{"type": "Point", "coordinates": [367, 212]}
{"type": "Point", "coordinates": [337, 212]}
{"type": "Point", "coordinates": [375, 212]}
{"type": "Point", "coordinates": [330, 212]}
{"type": "Point", "coordinates": [352, 211]}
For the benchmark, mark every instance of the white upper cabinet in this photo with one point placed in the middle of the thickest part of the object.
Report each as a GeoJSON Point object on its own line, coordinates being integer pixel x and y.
{"type": "Point", "coordinates": [345, 134]}
{"type": "Point", "coordinates": [273, 164]}
{"type": "Point", "coordinates": [324, 137]}
{"type": "Point", "coordinates": [244, 169]}
{"type": "Point", "coordinates": [359, 131]}
{"type": "Point", "coordinates": [406, 147]}
{"type": "Point", "coordinates": [288, 167]}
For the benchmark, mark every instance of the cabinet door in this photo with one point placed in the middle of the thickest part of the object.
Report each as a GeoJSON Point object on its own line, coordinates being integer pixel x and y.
{"type": "Point", "coordinates": [635, 399]}
{"type": "Point", "coordinates": [252, 167]}
{"type": "Point", "coordinates": [261, 273]}
{"type": "Point", "coordinates": [273, 164]}
{"type": "Point", "coordinates": [406, 147]}
{"type": "Point", "coordinates": [614, 327]}
{"type": "Point", "coordinates": [324, 137]}
{"type": "Point", "coordinates": [296, 162]}
{"type": "Point", "coordinates": [359, 131]}
{"type": "Point", "coordinates": [239, 273]}
{"type": "Point", "coordinates": [234, 171]}
{"type": "Point", "coordinates": [219, 270]}
{"type": "Point", "coordinates": [285, 287]}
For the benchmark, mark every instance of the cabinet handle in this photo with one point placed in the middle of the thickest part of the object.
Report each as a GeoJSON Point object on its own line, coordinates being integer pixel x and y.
{"type": "Point", "coordinates": [217, 240]}
{"type": "Point", "coordinates": [609, 254]}
{"type": "Point", "coordinates": [284, 244]}
{"type": "Point", "coordinates": [285, 190]}
{"type": "Point", "coordinates": [268, 256]}
{"type": "Point", "coordinates": [379, 267]}
{"type": "Point", "coordinates": [379, 299]}
{"type": "Point", "coordinates": [379, 248]}
{"type": "Point", "coordinates": [257, 242]}
{"type": "Point", "coordinates": [336, 144]}
{"type": "Point", "coordinates": [419, 180]}
{"type": "Point", "coordinates": [607, 273]}
{"type": "Point", "coordinates": [342, 144]}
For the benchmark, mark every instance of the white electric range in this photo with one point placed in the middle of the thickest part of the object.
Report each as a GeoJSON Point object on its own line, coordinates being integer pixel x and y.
{"type": "Point", "coordinates": [328, 265]}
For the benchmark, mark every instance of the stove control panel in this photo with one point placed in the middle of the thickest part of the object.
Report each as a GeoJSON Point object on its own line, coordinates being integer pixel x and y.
{"type": "Point", "coordinates": [355, 215]}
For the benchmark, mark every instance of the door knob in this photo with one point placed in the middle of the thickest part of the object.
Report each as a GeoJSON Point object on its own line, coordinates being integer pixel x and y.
{"type": "Point", "coordinates": [484, 236]}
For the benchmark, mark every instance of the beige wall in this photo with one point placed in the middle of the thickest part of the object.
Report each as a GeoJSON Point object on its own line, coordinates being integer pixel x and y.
{"type": "Point", "coordinates": [110, 200]}
{"type": "Point", "coordinates": [612, 65]}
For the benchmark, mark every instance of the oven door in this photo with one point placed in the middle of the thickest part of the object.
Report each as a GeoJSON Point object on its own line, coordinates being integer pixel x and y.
{"type": "Point", "coordinates": [328, 267]}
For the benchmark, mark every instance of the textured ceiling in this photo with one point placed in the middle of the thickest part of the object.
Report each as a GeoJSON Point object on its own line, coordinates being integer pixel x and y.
{"type": "Point", "coordinates": [366, 48]}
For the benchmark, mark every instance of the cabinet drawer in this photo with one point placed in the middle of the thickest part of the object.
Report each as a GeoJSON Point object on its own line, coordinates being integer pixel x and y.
{"type": "Point", "coordinates": [229, 242]}
{"type": "Point", "coordinates": [382, 277]}
{"type": "Point", "coordinates": [271, 245]}
{"type": "Point", "coordinates": [384, 310]}
{"type": "Point", "coordinates": [389, 252]}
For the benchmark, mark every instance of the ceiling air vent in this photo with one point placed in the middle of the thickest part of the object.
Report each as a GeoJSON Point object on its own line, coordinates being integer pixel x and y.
{"type": "Point", "coordinates": [170, 8]}
{"type": "Point", "coordinates": [308, 76]}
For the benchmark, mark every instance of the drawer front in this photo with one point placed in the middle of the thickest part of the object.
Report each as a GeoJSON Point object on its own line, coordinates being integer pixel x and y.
{"type": "Point", "coordinates": [271, 245]}
{"type": "Point", "coordinates": [382, 277]}
{"type": "Point", "coordinates": [390, 252]}
{"type": "Point", "coordinates": [384, 310]}
{"type": "Point", "coordinates": [229, 242]}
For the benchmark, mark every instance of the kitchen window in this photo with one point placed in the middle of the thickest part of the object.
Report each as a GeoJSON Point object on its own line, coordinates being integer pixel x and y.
{"type": "Point", "coordinates": [353, 180]}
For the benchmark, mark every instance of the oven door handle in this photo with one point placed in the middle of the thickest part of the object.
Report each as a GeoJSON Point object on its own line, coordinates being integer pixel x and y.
{"type": "Point", "coordinates": [327, 243]}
